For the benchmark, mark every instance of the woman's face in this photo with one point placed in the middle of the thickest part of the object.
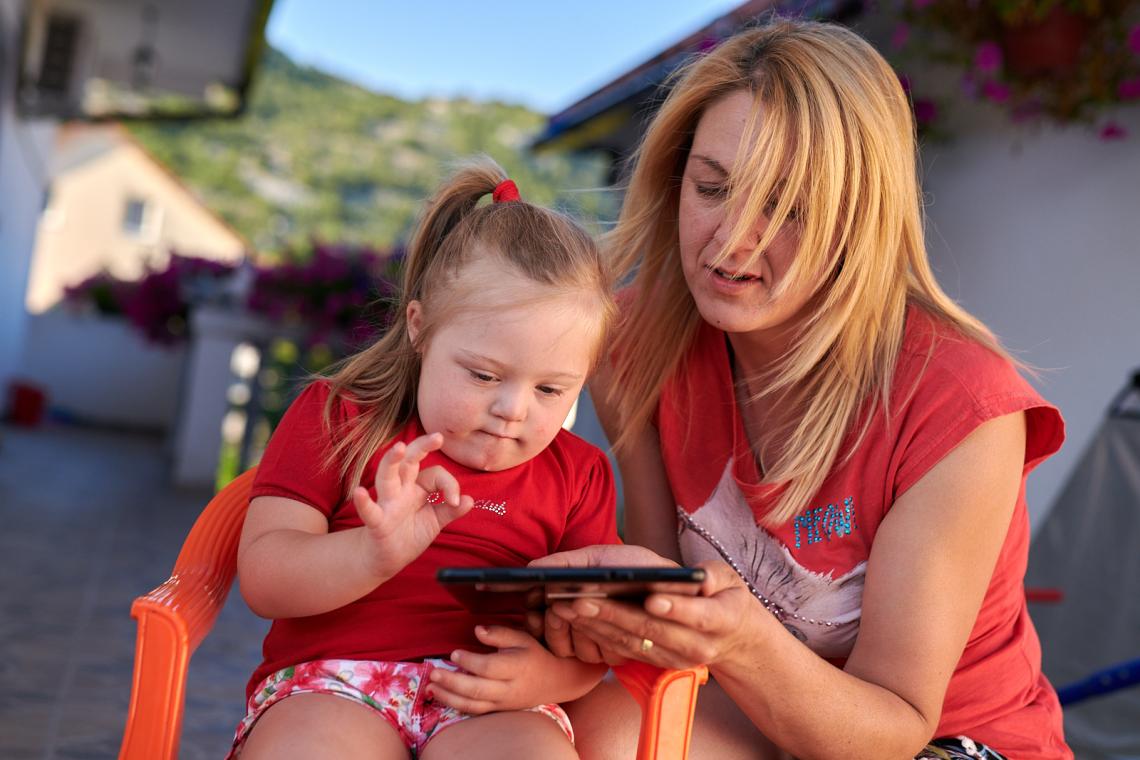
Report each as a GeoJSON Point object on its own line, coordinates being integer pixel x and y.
{"type": "Point", "coordinates": [732, 294]}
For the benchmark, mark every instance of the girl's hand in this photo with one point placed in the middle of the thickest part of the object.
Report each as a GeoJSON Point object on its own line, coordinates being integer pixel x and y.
{"type": "Point", "coordinates": [520, 675]}
{"type": "Point", "coordinates": [683, 630]}
{"type": "Point", "coordinates": [401, 523]}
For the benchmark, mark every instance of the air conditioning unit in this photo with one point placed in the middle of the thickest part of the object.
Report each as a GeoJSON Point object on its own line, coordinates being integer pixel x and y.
{"type": "Point", "coordinates": [53, 67]}
{"type": "Point", "coordinates": [116, 59]}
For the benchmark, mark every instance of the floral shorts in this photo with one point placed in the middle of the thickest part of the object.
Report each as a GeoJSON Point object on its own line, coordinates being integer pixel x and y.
{"type": "Point", "coordinates": [958, 748]}
{"type": "Point", "coordinates": [395, 690]}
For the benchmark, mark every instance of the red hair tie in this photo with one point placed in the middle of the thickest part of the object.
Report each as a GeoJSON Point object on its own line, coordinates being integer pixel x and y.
{"type": "Point", "coordinates": [505, 191]}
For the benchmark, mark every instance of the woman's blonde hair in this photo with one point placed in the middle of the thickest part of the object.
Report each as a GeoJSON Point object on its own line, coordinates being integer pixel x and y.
{"type": "Point", "coordinates": [543, 246]}
{"type": "Point", "coordinates": [833, 151]}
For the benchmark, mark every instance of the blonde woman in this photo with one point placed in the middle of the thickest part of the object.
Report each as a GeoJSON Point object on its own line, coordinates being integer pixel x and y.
{"type": "Point", "coordinates": [799, 408]}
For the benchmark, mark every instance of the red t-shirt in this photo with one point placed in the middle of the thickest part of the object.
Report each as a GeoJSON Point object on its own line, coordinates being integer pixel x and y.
{"type": "Point", "coordinates": [561, 499]}
{"type": "Point", "coordinates": [813, 566]}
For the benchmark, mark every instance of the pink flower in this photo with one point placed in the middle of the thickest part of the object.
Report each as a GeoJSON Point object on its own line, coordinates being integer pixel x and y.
{"type": "Point", "coordinates": [900, 36]}
{"type": "Point", "coordinates": [995, 91]}
{"type": "Point", "coordinates": [987, 58]}
{"type": "Point", "coordinates": [1134, 39]}
{"type": "Point", "coordinates": [1129, 89]}
{"type": "Point", "coordinates": [1113, 131]}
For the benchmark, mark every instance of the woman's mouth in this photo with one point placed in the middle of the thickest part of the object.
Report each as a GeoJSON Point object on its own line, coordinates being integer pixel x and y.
{"type": "Point", "coordinates": [734, 277]}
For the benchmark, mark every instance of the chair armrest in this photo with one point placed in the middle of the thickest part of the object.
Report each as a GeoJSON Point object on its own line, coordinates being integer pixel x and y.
{"type": "Point", "coordinates": [668, 701]}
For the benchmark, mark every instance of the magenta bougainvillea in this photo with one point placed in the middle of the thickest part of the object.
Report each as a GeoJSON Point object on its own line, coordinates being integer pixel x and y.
{"type": "Point", "coordinates": [336, 296]}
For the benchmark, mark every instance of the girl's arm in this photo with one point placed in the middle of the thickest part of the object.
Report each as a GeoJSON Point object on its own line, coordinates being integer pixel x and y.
{"type": "Point", "coordinates": [930, 565]}
{"type": "Point", "coordinates": [650, 519]}
{"type": "Point", "coordinates": [520, 674]}
{"type": "Point", "coordinates": [289, 565]}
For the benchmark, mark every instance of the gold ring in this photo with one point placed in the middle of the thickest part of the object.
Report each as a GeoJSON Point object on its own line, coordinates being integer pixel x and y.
{"type": "Point", "coordinates": [646, 645]}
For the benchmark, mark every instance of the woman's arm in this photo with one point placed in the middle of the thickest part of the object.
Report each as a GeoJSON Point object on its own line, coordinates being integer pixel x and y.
{"type": "Point", "coordinates": [289, 565]}
{"type": "Point", "coordinates": [650, 518]}
{"type": "Point", "coordinates": [929, 568]}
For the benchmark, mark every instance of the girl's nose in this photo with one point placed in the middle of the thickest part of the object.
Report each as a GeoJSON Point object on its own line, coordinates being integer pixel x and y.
{"type": "Point", "coordinates": [510, 403]}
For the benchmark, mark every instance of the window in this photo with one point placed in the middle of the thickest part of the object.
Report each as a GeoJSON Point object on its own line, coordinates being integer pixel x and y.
{"type": "Point", "coordinates": [141, 219]}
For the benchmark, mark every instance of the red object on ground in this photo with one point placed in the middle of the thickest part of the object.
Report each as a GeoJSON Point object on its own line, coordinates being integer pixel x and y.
{"type": "Point", "coordinates": [26, 404]}
{"type": "Point", "coordinates": [1033, 594]}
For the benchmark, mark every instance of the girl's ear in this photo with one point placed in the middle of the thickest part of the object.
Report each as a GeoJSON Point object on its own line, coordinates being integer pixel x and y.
{"type": "Point", "coordinates": [415, 320]}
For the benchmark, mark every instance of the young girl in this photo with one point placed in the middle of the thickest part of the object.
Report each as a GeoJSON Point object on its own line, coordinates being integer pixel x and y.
{"type": "Point", "coordinates": [440, 445]}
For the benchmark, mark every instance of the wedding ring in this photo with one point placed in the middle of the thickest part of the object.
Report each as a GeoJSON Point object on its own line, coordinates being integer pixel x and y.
{"type": "Point", "coordinates": [646, 645]}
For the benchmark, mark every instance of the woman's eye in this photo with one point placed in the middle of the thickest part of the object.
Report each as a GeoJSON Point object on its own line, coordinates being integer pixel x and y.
{"type": "Point", "coordinates": [710, 191]}
{"type": "Point", "coordinates": [547, 390]}
{"type": "Point", "coordinates": [793, 212]}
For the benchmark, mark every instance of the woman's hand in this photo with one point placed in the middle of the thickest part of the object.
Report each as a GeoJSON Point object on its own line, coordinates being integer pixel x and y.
{"type": "Point", "coordinates": [560, 637]}
{"type": "Point", "coordinates": [520, 675]}
{"type": "Point", "coordinates": [672, 630]}
{"type": "Point", "coordinates": [402, 522]}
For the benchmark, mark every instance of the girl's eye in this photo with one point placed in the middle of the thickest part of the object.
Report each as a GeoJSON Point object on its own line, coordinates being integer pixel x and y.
{"type": "Point", "coordinates": [482, 377]}
{"type": "Point", "coordinates": [547, 390]}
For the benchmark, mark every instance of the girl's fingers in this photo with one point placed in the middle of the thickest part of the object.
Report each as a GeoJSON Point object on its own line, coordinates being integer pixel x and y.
{"type": "Point", "coordinates": [388, 469]}
{"type": "Point", "coordinates": [422, 446]}
{"type": "Point", "coordinates": [438, 479]}
{"type": "Point", "coordinates": [459, 701]}
{"type": "Point", "coordinates": [369, 511]}
{"type": "Point", "coordinates": [473, 688]}
{"type": "Point", "coordinates": [502, 637]}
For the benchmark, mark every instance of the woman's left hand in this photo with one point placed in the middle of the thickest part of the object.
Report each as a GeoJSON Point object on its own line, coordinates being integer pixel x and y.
{"type": "Point", "coordinates": [673, 630]}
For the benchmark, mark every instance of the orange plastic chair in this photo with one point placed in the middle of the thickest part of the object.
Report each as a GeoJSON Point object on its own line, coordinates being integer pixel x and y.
{"type": "Point", "coordinates": [175, 617]}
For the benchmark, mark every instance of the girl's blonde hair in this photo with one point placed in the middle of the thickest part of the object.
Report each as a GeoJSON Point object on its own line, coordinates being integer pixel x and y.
{"type": "Point", "coordinates": [832, 150]}
{"type": "Point", "coordinates": [544, 246]}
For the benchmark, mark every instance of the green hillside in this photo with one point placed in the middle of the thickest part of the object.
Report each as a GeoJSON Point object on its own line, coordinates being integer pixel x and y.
{"type": "Point", "coordinates": [316, 157]}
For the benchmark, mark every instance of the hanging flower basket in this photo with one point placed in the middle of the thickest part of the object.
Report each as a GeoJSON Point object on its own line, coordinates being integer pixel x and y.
{"type": "Point", "coordinates": [1041, 60]}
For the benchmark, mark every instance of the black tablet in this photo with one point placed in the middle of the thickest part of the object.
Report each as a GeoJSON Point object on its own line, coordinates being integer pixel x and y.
{"type": "Point", "coordinates": [516, 589]}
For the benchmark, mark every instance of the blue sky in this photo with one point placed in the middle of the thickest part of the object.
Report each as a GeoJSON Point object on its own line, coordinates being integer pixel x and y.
{"type": "Point", "coordinates": [544, 54]}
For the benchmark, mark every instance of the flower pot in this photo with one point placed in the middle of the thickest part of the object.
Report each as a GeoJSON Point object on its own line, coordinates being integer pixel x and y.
{"type": "Point", "coordinates": [1049, 47]}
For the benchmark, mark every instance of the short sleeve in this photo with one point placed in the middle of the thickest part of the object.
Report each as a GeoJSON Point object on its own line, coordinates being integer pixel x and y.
{"type": "Point", "coordinates": [962, 386]}
{"type": "Point", "coordinates": [293, 465]}
{"type": "Point", "coordinates": [593, 515]}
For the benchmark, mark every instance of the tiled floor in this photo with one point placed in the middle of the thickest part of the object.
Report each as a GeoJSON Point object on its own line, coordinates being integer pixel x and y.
{"type": "Point", "coordinates": [87, 523]}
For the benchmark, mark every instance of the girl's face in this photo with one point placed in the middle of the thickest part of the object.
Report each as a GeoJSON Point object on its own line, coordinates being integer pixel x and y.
{"type": "Point", "coordinates": [732, 295]}
{"type": "Point", "coordinates": [499, 382]}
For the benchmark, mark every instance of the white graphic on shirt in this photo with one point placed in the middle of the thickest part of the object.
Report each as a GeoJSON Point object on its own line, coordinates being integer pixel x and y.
{"type": "Point", "coordinates": [725, 529]}
{"type": "Point", "coordinates": [498, 507]}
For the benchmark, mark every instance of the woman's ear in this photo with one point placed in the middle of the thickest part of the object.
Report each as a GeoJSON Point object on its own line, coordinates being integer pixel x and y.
{"type": "Point", "coordinates": [415, 319]}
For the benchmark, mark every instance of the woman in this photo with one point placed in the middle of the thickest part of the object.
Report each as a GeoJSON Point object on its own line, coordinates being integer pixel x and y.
{"type": "Point", "coordinates": [800, 409]}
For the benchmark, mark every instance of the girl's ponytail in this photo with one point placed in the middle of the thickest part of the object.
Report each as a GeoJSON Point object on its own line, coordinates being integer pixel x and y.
{"type": "Point", "coordinates": [382, 379]}
{"type": "Point", "coordinates": [448, 207]}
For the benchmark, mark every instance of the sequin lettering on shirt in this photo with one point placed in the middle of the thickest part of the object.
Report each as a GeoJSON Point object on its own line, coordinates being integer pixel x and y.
{"type": "Point", "coordinates": [821, 523]}
{"type": "Point", "coordinates": [498, 507]}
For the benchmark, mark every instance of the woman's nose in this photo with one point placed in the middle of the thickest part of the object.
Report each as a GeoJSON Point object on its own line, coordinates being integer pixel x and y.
{"type": "Point", "coordinates": [730, 222]}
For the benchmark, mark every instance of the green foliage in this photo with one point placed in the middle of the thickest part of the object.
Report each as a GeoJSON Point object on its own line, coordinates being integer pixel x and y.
{"type": "Point", "coordinates": [316, 157]}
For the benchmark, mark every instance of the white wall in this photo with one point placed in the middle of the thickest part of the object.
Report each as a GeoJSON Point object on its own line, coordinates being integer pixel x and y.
{"type": "Point", "coordinates": [25, 149]}
{"type": "Point", "coordinates": [1039, 236]}
{"type": "Point", "coordinates": [101, 370]}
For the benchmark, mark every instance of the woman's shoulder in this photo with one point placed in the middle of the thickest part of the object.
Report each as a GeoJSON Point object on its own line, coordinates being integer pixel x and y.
{"type": "Point", "coordinates": [948, 383]}
{"type": "Point", "coordinates": [934, 352]}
